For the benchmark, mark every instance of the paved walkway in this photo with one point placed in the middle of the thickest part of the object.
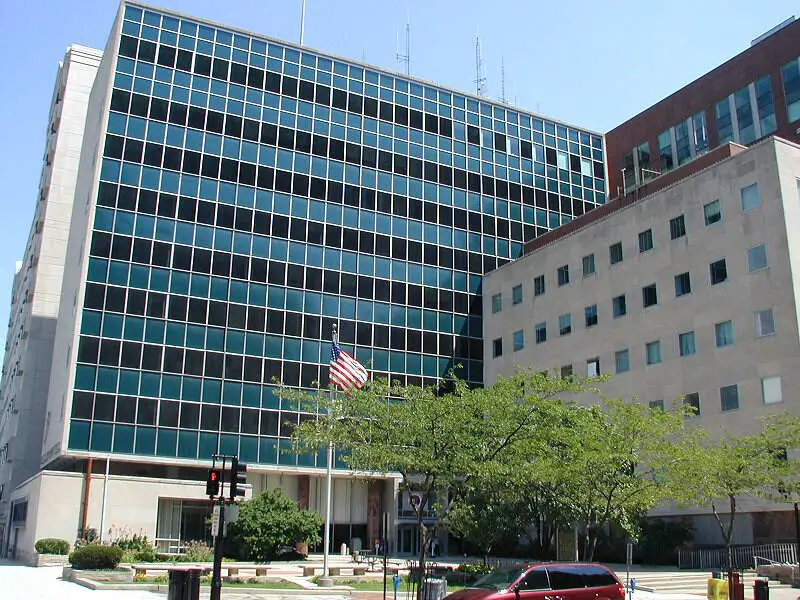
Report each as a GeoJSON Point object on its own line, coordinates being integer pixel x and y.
{"type": "Point", "coordinates": [19, 582]}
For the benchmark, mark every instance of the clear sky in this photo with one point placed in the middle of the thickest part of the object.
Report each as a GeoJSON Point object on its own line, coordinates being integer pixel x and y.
{"type": "Point", "coordinates": [588, 62]}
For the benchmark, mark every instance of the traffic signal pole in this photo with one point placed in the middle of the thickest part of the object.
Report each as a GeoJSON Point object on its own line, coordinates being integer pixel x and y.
{"type": "Point", "coordinates": [216, 576]}
{"type": "Point", "coordinates": [237, 478]}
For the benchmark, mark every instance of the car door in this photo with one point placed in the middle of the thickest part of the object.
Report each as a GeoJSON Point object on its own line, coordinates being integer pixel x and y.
{"type": "Point", "coordinates": [534, 585]}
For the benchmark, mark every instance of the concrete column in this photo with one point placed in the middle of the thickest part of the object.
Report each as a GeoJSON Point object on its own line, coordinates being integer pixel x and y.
{"type": "Point", "coordinates": [374, 504]}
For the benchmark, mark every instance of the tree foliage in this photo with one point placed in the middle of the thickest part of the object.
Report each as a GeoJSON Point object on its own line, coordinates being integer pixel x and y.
{"type": "Point", "coordinates": [439, 440]}
{"type": "Point", "coordinates": [720, 471]}
{"type": "Point", "coordinates": [270, 523]}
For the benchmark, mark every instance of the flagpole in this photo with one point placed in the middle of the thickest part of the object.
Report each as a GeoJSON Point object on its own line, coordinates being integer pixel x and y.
{"type": "Point", "coordinates": [325, 580]}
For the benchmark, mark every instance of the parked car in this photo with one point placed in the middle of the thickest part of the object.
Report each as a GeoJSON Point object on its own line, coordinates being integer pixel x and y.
{"type": "Point", "coordinates": [546, 581]}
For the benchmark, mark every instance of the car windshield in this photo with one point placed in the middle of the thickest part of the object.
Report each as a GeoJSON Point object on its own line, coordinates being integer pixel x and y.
{"type": "Point", "coordinates": [499, 580]}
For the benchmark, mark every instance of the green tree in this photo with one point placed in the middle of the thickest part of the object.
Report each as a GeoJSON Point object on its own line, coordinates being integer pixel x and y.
{"type": "Point", "coordinates": [271, 522]}
{"type": "Point", "coordinates": [485, 519]}
{"type": "Point", "coordinates": [607, 464]}
{"type": "Point", "coordinates": [438, 439]}
{"type": "Point", "coordinates": [718, 471]}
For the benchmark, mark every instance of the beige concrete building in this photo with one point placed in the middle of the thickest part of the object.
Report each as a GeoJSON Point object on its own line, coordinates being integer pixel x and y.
{"type": "Point", "coordinates": [691, 291]}
{"type": "Point", "coordinates": [36, 291]}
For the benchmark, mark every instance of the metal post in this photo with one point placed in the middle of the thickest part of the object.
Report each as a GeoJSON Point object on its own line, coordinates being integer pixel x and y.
{"type": "Point", "coordinates": [328, 486]}
{"type": "Point", "coordinates": [325, 580]}
{"type": "Point", "coordinates": [105, 499]}
{"type": "Point", "coordinates": [216, 577]}
{"type": "Point", "coordinates": [797, 533]}
{"type": "Point", "coordinates": [303, 23]}
{"type": "Point", "coordinates": [383, 542]}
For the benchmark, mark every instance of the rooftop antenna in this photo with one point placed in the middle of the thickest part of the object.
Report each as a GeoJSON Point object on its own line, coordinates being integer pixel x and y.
{"type": "Point", "coordinates": [406, 58]}
{"type": "Point", "coordinates": [480, 80]}
{"type": "Point", "coordinates": [503, 80]}
{"type": "Point", "coordinates": [302, 22]}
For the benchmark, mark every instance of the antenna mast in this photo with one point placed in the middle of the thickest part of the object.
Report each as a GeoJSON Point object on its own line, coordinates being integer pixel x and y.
{"type": "Point", "coordinates": [302, 22]}
{"type": "Point", "coordinates": [480, 80]}
{"type": "Point", "coordinates": [406, 58]}
{"type": "Point", "coordinates": [503, 80]}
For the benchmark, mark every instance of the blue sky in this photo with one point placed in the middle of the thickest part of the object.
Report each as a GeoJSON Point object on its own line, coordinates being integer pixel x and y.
{"type": "Point", "coordinates": [590, 63]}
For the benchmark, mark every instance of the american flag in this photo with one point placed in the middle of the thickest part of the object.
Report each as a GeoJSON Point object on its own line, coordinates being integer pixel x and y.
{"type": "Point", "coordinates": [346, 372]}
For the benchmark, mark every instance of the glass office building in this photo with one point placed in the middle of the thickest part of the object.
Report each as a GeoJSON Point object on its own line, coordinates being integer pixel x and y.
{"type": "Point", "coordinates": [246, 194]}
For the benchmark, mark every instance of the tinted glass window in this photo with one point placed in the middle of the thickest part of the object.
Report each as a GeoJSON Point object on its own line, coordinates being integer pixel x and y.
{"type": "Point", "coordinates": [594, 576]}
{"type": "Point", "coordinates": [535, 580]}
{"type": "Point", "coordinates": [565, 578]}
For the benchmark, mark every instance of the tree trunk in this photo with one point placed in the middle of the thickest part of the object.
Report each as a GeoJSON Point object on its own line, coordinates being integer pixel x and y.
{"type": "Point", "coordinates": [729, 546]}
{"type": "Point", "coordinates": [589, 544]}
{"type": "Point", "coordinates": [423, 546]}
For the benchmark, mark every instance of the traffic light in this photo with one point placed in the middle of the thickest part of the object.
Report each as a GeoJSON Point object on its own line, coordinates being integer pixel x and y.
{"type": "Point", "coordinates": [238, 478]}
{"type": "Point", "coordinates": [213, 481]}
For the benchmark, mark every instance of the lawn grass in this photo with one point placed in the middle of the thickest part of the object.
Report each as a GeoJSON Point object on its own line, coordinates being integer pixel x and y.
{"type": "Point", "coordinates": [376, 585]}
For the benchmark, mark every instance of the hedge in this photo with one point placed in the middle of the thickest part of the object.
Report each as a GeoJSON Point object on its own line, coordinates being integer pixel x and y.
{"type": "Point", "coordinates": [95, 556]}
{"type": "Point", "coordinates": [52, 546]}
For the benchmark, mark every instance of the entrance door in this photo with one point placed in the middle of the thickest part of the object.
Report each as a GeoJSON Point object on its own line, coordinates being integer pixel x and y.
{"type": "Point", "coordinates": [408, 537]}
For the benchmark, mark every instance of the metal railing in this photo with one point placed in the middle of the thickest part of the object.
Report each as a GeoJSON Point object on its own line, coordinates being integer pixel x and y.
{"type": "Point", "coordinates": [742, 557]}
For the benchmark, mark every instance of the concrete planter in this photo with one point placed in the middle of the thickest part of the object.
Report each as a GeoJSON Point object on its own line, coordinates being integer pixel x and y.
{"type": "Point", "coordinates": [115, 576]}
{"type": "Point", "coordinates": [49, 560]}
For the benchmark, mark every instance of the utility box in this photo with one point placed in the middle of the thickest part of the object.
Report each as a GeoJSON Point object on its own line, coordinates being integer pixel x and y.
{"type": "Point", "coordinates": [184, 584]}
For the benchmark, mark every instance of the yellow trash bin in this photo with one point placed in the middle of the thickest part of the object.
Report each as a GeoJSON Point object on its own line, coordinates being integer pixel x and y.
{"type": "Point", "coordinates": [717, 589]}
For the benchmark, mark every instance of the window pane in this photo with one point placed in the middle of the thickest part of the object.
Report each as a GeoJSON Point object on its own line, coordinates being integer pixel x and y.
{"type": "Point", "coordinates": [653, 353]}
{"type": "Point", "coordinates": [497, 303]}
{"type": "Point", "coordinates": [665, 151]}
{"type": "Point", "coordinates": [693, 400]}
{"type": "Point", "coordinates": [718, 271]}
{"type": "Point", "coordinates": [686, 343]}
{"type": "Point", "coordinates": [712, 212]}
{"type": "Point", "coordinates": [791, 88]}
{"type": "Point", "coordinates": [622, 361]}
{"type": "Point", "coordinates": [656, 404]}
{"type": "Point", "coordinates": [765, 322]}
{"type": "Point", "coordinates": [563, 275]}
{"type": "Point", "coordinates": [519, 340]}
{"type": "Point", "coordinates": [565, 324]}
{"type": "Point", "coordinates": [729, 397]}
{"type": "Point", "coordinates": [771, 390]}
{"type": "Point", "coordinates": [683, 284]}
{"type": "Point", "coordinates": [619, 306]}
{"type": "Point", "coordinates": [615, 253]}
{"type": "Point", "coordinates": [677, 227]}
{"type": "Point", "coordinates": [646, 240]}
{"type": "Point", "coordinates": [724, 121]}
{"type": "Point", "coordinates": [766, 105]}
{"type": "Point", "coordinates": [588, 265]}
{"type": "Point", "coordinates": [516, 294]}
{"type": "Point", "coordinates": [751, 197]}
{"type": "Point", "coordinates": [744, 116]}
{"type": "Point", "coordinates": [541, 333]}
{"type": "Point", "coordinates": [497, 347]}
{"type": "Point", "coordinates": [757, 258]}
{"type": "Point", "coordinates": [538, 285]}
{"type": "Point", "coordinates": [649, 295]}
{"type": "Point", "coordinates": [591, 315]}
{"type": "Point", "coordinates": [593, 367]}
{"type": "Point", "coordinates": [723, 333]}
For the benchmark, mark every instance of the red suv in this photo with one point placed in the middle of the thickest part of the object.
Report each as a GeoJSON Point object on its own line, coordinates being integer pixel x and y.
{"type": "Point", "coordinates": [546, 581]}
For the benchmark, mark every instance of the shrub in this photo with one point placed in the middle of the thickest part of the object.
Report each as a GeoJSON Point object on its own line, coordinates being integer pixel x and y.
{"type": "Point", "coordinates": [270, 522]}
{"type": "Point", "coordinates": [95, 556]}
{"type": "Point", "coordinates": [197, 551]}
{"type": "Point", "coordinates": [52, 546]}
{"type": "Point", "coordinates": [145, 555]}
